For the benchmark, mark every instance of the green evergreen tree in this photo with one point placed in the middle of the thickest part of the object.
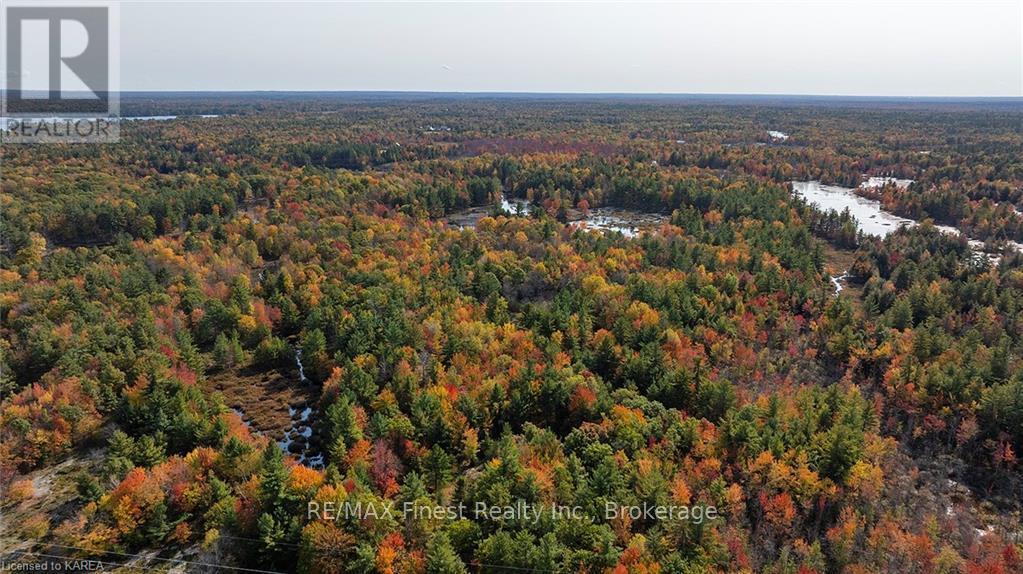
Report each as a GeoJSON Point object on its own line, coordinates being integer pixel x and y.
{"type": "Point", "coordinates": [441, 557]}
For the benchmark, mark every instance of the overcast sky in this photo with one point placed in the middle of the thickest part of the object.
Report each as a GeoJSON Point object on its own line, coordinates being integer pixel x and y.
{"type": "Point", "coordinates": [899, 47]}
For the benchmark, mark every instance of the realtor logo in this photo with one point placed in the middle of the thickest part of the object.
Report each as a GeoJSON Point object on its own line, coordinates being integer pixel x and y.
{"type": "Point", "coordinates": [59, 76]}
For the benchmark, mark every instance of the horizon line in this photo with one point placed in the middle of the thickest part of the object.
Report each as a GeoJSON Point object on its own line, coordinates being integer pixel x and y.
{"type": "Point", "coordinates": [574, 93]}
{"type": "Point", "coordinates": [555, 93]}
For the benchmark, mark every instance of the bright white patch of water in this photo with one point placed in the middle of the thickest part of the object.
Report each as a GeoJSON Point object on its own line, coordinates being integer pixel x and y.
{"type": "Point", "coordinates": [875, 182]}
{"type": "Point", "coordinates": [836, 280]}
{"type": "Point", "coordinates": [628, 223]}
{"type": "Point", "coordinates": [516, 206]}
{"type": "Point", "coordinates": [870, 218]}
{"type": "Point", "coordinates": [298, 363]}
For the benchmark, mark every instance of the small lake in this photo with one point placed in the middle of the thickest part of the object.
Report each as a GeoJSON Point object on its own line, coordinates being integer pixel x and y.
{"type": "Point", "coordinates": [870, 218]}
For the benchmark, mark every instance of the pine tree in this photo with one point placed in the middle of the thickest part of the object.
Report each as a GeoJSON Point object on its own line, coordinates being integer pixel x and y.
{"type": "Point", "coordinates": [341, 425]}
{"type": "Point", "coordinates": [274, 524]}
{"type": "Point", "coordinates": [273, 495]}
{"type": "Point", "coordinates": [227, 351]}
{"type": "Point", "coordinates": [438, 468]}
{"type": "Point", "coordinates": [441, 557]}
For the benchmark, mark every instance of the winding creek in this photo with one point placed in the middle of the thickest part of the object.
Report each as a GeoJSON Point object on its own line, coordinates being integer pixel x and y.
{"type": "Point", "coordinates": [298, 436]}
{"type": "Point", "coordinates": [297, 439]}
{"type": "Point", "coordinates": [837, 280]}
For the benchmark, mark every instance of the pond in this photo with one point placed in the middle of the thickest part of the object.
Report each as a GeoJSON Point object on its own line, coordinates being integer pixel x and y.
{"type": "Point", "coordinates": [627, 222]}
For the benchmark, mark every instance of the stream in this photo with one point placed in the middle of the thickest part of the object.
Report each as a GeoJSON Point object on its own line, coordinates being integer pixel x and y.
{"type": "Point", "coordinates": [297, 440]}
{"type": "Point", "coordinates": [836, 280]}
{"type": "Point", "coordinates": [297, 437]}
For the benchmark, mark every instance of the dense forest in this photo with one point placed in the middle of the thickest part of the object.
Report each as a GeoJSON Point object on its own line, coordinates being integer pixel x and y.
{"type": "Point", "coordinates": [221, 322]}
